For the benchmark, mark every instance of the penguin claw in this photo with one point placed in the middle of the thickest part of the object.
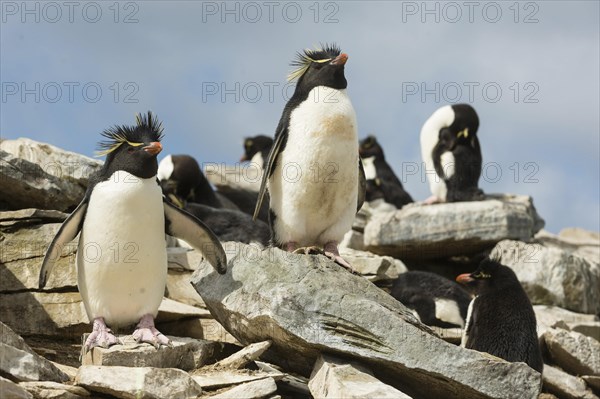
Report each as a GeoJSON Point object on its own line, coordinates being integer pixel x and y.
{"type": "Point", "coordinates": [146, 332]}
{"type": "Point", "coordinates": [312, 250]}
{"type": "Point", "coordinates": [432, 200]}
{"type": "Point", "coordinates": [101, 336]}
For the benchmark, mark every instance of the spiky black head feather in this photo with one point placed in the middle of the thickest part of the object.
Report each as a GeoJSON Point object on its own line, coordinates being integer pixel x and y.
{"type": "Point", "coordinates": [132, 149]}
{"type": "Point", "coordinates": [305, 58]}
{"type": "Point", "coordinates": [148, 129]}
{"type": "Point", "coordinates": [320, 67]}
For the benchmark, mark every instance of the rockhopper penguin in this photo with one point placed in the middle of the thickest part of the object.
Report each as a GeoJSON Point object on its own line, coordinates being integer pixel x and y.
{"type": "Point", "coordinates": [256, 150]}
{"type": "Point", "coordinates": [436, 300]}
{"type": "Point", "coordinates": [123, 218]}
{"type": "Point", "coordinates": [451, 153]}
{"type": "Point", "coordinates": [314, 175]}
{"type": "Point", "coordinates": [381, 179]}
{"type": "Point", "coordinates": [500, 320]}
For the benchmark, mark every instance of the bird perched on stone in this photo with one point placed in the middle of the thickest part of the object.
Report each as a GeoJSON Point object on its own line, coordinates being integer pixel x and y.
{"type": "Point", "coordinates": [383, 180]}
{"type": "Point", "coordinates": [314, 175]}
{"type": "Point", "coordinates": [436, 300]}
{"type": "Point", "coordinates": [122, 221]}
{"type": "Point", "coordinates": [452, 155]}
{"type": "Point", "coordinates": [500, 319]}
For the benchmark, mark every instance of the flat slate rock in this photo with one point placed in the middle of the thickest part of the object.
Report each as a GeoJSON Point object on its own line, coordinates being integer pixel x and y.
{"type": "Point", "coordinates": [573, 352]}
{"type": "Point", "coordinates": [185, 354]}
{"type": "Point", "coordinates": [306, 305]}
{"type": "Point", "coordinates": [138, 382]}
{"type": "Point", "coordinates": [420, 231]}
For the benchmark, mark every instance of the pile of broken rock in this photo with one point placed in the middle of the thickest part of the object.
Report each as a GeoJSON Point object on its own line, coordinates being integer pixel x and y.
{"type": "Point", "coordinates": [286, 325]}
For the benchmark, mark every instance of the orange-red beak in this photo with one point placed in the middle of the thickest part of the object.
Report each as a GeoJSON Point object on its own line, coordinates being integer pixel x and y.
{"type": "Point", "coordinates": [340, 59]}
{"type": "Point", "coordinates": [465, 278]}
{"type": "Point", "coordinates": [154, 148]}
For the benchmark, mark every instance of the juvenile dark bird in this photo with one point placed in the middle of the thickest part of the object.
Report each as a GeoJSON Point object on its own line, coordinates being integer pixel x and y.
{"type": "Point", "coordinates": [256, 149]}
{"type": "Point", "coordinates": [436, 300]}
{"type": "Point", "coordinates": [314, 175]}
{"type": "Point", "coordinates": [379, 172]}
{"type": "Point", "coordinates": [452, 155]}
{"type": "Point", "coordinates": [500, 320]}
{"type": "Point", "coordinates": [123, 218]}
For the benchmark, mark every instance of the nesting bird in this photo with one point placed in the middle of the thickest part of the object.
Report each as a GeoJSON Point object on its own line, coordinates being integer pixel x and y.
{"type": "Point", "coordinates": [381, 179]}
{"type": "Point", "coordinates": [451, 153]}
{"type": "Point", "coordinates": [313, 174]}
{"type": "Point", "coordinates": [122, 221]}
{"type": "Point", "coordinates": [436, 300]}
{"type": "Point", "coordinates": [500, 320]}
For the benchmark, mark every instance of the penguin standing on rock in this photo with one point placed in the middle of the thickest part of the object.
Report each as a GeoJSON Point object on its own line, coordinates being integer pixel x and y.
{"type": "Point", "coordinates": [256, 149]}
{"type": "Point", "coordinates": [451, 153]}
{"type": "Point", "coordinates": [123, 218]}
{"type": "Point", "coordinates": [500, 320]}
{"type": "Point", "coordinates": [381, 175]}
{"type": "Point", "coordinates": [314, 175]}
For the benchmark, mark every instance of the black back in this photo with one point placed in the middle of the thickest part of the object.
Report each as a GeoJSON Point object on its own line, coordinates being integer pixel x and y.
{"type": "Point", "coordinates": [418, 290]}
{"type": "Point", "coordinates": [256, 144]}
{"type": "Point", "coordinates": [387, 183]}
{"type": "Point", "coordinates": [503, 322]}
{"type": "Point", "coordinates": [231, 225]}
{"type": "Point", "coordinates": [188, 183]}
{"type": "Point", "coordinates": [463, 185]}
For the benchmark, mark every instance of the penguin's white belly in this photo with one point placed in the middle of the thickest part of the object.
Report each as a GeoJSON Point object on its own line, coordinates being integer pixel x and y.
{"type": "Point", "coordinates": [447, 310]}
{"type": "Point", "coordinates": [314, 187]}
{"type": "Point", "coordinates": [122, 258]}
{"type": "Point", "coordinates": [468, 321]}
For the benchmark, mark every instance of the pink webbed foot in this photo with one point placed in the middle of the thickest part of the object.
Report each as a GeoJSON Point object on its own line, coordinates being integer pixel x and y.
{"type": "Point", "coordinates": [146, 332]}
{"type": "Point", "coordinates": [312, 250]}
{"type": "Point", "coordinates": [290, 246]}
{"type": "Point", "coordinates": [101, 336]}
{"type": "Point", "coordinates": [331, 251]}
{"type": "Point", "coordinates": [434, 199]}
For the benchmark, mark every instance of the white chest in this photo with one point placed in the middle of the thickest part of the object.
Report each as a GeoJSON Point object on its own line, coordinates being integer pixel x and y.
{"type": "Point", "coordinates": [122, 262]}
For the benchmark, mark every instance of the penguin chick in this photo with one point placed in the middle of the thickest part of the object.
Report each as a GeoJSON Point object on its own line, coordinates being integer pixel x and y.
{"type": "Point", "coordinates": [380, 172]}
{"type": "Point", "coordinates": [313, 174]}
{"type": "Point", "coordinates": [123, 218]}
{"type": "Point", "coordinates": [501, 320]}
{"type": "Point", "coordinates": [451, 154]}
{"type": "Point", "coordinates": [256, 150]}
{"type": "Point", "coordinates": [437, 301]}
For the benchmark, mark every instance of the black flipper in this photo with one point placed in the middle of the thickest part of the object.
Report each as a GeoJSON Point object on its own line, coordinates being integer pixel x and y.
{"type": "Point", "coordinates": [362, 185]}
{"type": "Point", "coordinates": [181, 224]}
{"type": "Point", "coordinates": [278, 146]}
{"type": "Point", "coordinates": [67, 232]}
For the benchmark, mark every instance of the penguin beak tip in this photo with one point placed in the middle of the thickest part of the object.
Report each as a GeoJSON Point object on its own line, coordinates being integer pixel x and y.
{"type": "Point", "coordinates": [154, 148]}
{"type": "Point", "coordinates": [465, 278]}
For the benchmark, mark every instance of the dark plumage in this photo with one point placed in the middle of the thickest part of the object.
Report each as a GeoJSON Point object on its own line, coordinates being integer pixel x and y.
{"type": "Point", "coordinates": [257, 145]}
{"type": "Point", "coordinates": [186, 181]}
{"type": "Point", "coordinates": [502, 321]}
{"type": "Point", "coordinates": [231, 225]}
{"type": "Point", "coordinates": [438, 301]}
{"type": "Point", "coordinates": [385, 181]}
{"type": "Point", "coordinates": [460, 138]}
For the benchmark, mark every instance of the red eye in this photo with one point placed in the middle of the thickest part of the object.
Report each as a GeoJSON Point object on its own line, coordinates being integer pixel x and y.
{"type": "Point", "coordinates": [130, 150]}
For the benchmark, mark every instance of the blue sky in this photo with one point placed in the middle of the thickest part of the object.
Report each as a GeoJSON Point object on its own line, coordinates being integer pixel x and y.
{"type": "Point", "coordinates": [215, 72]}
